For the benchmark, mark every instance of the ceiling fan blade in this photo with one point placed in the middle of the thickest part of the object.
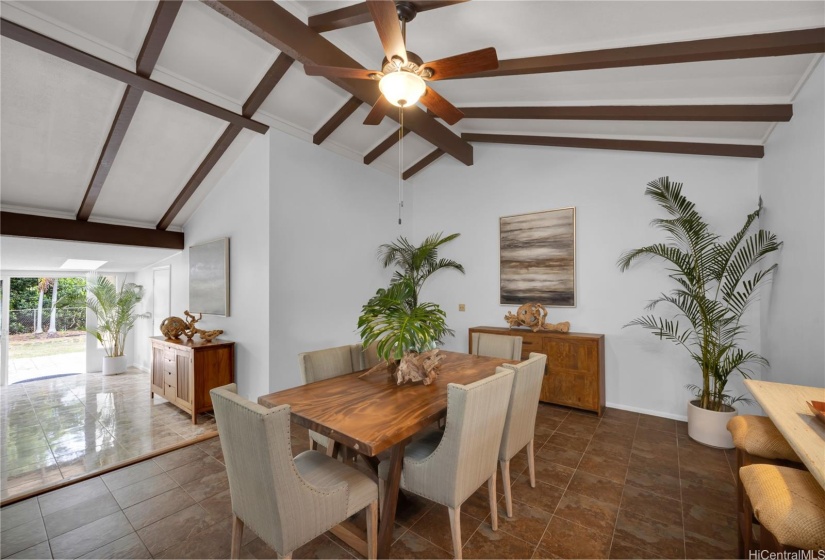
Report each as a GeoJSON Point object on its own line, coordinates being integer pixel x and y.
{"type": "Point", "coordinates": [389, 29]}
{"type": "Point", "coordinates": [441, 107]}
{"type": "Point", "coordinates": [340, 72]}
{"type": "Point", "coordinates": [466, 63]}
{"type": "Point", "coordinates": [378, 111]}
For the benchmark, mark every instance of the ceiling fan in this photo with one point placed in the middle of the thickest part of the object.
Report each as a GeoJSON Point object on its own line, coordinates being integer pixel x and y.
{"type": "Point", "coordinates": [403, 74]}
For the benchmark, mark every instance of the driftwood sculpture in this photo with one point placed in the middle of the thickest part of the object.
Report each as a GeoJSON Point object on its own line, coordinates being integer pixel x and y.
{"type": "Point", "coordinates": [192, 330]}
{"type": "Point", "coordinates": [173, 327]}
{"type": "Point", "coordinates": [413, 367]}
{"type": "Point", "coordinates": [534, 315]}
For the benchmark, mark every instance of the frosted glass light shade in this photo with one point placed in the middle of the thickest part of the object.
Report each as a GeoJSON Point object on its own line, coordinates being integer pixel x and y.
{"type": "Point", "coordinates": [402, 88]}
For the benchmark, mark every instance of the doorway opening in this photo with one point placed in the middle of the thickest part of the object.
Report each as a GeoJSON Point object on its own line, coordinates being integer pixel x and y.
{"type": "Point", "coordinates": [46, 322]}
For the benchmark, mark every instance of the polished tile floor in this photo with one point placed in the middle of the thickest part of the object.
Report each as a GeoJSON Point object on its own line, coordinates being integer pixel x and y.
{"type": "Point", "coordinates": [23, 369]}
{"type": "Point", "coordinates": [624, 486]}
{"type": "Point", "coordinates": [59, 428]}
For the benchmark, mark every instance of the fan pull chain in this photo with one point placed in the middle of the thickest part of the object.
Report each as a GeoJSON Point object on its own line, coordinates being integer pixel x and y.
{"type": "Point", "coordinates": [400, 163]}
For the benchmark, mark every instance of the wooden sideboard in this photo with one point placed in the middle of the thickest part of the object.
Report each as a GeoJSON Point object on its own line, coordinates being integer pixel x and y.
{"type": "Point", "coordinates": [183, 372]}
{"type": "Point", "coordinates": [574, 375]}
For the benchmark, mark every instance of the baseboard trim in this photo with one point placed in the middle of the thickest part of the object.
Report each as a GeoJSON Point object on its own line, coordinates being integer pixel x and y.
{"type": "Point", "coordinates": [129, 462]}
{"type": "Point", "coordinates": [682, 418]}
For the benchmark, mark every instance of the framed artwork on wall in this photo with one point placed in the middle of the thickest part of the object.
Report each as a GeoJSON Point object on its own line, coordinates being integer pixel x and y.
{"type": "Point", "coordinates": [537, 255]}
{"type": "Point", "coordinates": [209, 278]}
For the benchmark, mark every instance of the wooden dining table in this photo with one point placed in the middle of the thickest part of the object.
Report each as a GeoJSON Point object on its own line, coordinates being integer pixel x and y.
{"type": "Point", "coordinates": [370, 414]}
{"type": "Point", "coordinates": [786, 405]}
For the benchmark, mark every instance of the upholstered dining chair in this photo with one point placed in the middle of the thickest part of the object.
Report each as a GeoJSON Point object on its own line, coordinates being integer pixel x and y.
{"type": "Point", "coordinates": [449, 467]}
{"type": "Point", "coordinates": [497, 346]}
{"type": "Point", "coordinates": [287, 502]}
{"type": "Point", "coordinates": [520, 425]}
{"type": "Point", "coordinates": [325, 364]}
{"type": "Point", "coordinates": [371, 357]}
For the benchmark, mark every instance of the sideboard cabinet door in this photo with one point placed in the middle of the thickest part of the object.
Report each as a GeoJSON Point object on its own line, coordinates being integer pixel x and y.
{"type": "Point", "coordinates": [183, 372]}
{"type": "Point", "coordinates": [574, 375]}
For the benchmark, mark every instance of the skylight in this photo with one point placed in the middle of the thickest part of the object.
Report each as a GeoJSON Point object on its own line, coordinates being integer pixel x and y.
{"type": "Point", "coordinates": [81, 264]}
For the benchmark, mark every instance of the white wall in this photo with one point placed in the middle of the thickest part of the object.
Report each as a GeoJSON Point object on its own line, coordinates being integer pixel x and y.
{"type": "Point", "coordinates": [328, 216]}
{"type": "Point", "coordinates": [792, 184]}
{"type": "Point", "coordinates": [237, 208]}
{"type": "Point", "coordinates": [612, 215]}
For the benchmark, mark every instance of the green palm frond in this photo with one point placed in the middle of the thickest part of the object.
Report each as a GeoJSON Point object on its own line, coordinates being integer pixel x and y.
{"type": "Point", "coordinates": [714, 288]}
{"type": "Point", "coordinates": [115, 312]}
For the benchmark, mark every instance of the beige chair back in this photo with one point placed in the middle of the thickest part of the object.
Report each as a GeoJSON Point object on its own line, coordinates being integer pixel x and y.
{"type": "Point", "coordinates": [524, 402]}
{"type": "Point", "coordinates": [467, 455]}
{"type": "Point", "coordinates": [268, 494]}
{"type": "Point", "coordinates": [330, 362]}
{"type": "Point", "coordinates": [497, 346]}
{"type": "Point", "coordinates": [371, 357]}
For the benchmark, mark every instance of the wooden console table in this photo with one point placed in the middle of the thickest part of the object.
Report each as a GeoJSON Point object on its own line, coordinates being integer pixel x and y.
{"type": "Point", "coordinates": [574, 375]}
{"type": "Point", "coordinates": [183, 372]}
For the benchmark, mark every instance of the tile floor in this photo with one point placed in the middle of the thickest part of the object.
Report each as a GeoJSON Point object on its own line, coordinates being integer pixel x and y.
{"type": "Point", "coordinates": [624, 486]}
{"type": "Point", "coordinates": [63, 427]}
{"type": "Point", "coordinates": [22, 369]}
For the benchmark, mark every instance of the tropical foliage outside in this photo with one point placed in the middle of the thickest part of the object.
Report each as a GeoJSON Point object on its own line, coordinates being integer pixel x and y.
{"type": "Point", "coordinates": [716, 281]}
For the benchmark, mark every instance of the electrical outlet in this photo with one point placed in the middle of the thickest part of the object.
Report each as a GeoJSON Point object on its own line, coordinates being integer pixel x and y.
{"type": "Point", "coordinates": [461, 307]}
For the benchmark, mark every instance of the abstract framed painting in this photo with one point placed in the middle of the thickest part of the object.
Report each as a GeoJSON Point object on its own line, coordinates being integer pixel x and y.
{"type": "Point", "coordinates": [537, 255]}
{"type": "Point", "coordinates": [209, 278]}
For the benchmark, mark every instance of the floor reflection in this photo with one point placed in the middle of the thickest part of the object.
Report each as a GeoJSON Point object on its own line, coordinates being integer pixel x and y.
{"type": "Point", "coordinates": [59, 428]}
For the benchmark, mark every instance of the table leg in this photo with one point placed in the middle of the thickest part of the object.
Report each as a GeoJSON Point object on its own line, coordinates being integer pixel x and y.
{"type": "Point", "coordinates": [385, 527]}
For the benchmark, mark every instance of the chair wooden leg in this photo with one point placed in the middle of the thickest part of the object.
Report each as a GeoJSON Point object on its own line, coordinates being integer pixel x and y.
{"type": "Point", "coordinates": [382, 489]}
{"type": "Point", "coordinates": [491, 490]}
{"type": "Point", "coordinates": [455, 526]}
{"type": "Point", "coordinates": [237, 537]}
{"type": "Point", "coordinates": [508, 491]}
{"type": "Point", "coordinates": [531, 463]}
{"type": "Point", "coordinates": [372, 530]}
{"type": "Point", "coordinates": [313, 445]}
{"type": "Point", "coordinates": [332, 448]}
{"type": "Point", "coordinates": [745, 544]}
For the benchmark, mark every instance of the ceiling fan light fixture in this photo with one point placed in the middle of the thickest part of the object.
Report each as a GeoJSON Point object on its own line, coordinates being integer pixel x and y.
{"type": "Point", "coordinates": [402, 88]}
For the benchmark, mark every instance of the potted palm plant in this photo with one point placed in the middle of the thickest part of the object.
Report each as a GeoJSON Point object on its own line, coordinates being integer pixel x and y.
{"type": "Point", "coordinates": [115, 312]}
{"type": "Point", "coordinates": [405, 329]}
{"type": "Point", "coordinates": [716, 281]}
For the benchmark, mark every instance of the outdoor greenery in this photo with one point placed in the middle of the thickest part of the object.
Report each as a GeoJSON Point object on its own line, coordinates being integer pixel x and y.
{"type": "Point", "coordinates": [715, 287]}
{"type": "Point", "coordinates": [115, 312]}
{"type": "Point", "coordinates": [393, 316]}
{"type": "Point", "coordinates": [28, 311]}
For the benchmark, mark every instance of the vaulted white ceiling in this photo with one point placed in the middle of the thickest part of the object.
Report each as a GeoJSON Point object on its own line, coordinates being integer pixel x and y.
{"type": "Point", "coordinates": [55, 115]}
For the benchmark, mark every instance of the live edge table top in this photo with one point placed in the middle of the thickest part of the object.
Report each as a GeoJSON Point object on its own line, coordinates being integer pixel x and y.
{"type": "Point", "coordinates": [372, 413]}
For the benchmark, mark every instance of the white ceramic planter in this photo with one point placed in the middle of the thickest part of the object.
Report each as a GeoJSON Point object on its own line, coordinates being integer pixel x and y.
{"type": "Point", "coordinates": [710, 427]}
{"type": "Point", "coordinates": [114, 365]}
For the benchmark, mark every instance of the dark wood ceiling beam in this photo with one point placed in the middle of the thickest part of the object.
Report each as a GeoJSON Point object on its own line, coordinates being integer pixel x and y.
{"type": "Point", "coordinates": [275, 25]}
{"type": "Point", "coordinates": [253, 103]}
{"type": "Point", "coordinates": [40, 227]}
{"type": "Point", "coordinates": [422, 163]}
{"type": "Point", "coordinates": [336, 120]}
{"type": "Point", "coordinates": [123, 118]}
{"type": "Point", "coordinates": [784, 43]}
{"type": "Point", "coordinates": [730, 113]}
{"type": "Point", "coordinates": [359, 13]}
{"type": "Point", "coordinates": [385, 145]}
{"type": "Point", "coordinates": [70, 54]}
{"type": "Point", "coordinates": [159, 29]}
{"type": "Point", "coordinates": [161, 25]}
{"type": "Point", "coordinates": [229, 134]}
{"type": "Point", "coordinates": [694, 148]}
{"type": "Point", "coordinates": [267, 84]}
